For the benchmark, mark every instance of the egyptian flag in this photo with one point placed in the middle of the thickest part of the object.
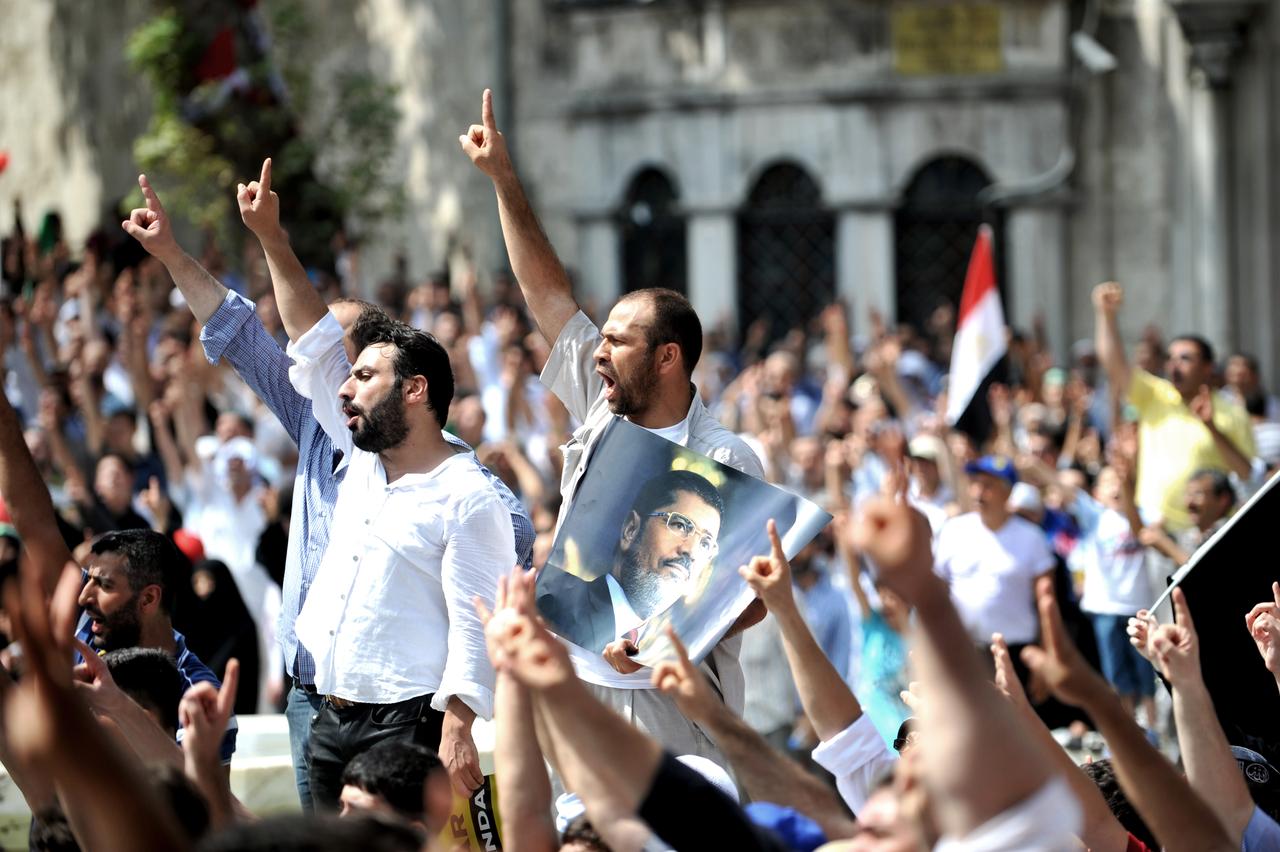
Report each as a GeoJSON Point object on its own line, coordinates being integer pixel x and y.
{"type": "Point", "coordinates": [979, 347]}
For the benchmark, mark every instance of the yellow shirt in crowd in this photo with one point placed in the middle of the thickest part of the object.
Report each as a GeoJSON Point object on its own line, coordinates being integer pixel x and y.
{"type": "Point", "coordinates": [1173, 444]}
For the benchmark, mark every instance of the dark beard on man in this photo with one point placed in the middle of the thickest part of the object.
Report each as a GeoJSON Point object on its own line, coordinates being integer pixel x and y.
{"type": "Point", "coordinates": [385, 426]}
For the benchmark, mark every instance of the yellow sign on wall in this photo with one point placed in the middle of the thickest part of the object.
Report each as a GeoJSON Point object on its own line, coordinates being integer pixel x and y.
{"type": "Point", "coordinates": [947, 39]}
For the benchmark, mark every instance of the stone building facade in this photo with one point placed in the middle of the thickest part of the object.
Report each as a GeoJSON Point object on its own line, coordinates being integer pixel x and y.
{"type": "Point", "coordinates": [768, 156]}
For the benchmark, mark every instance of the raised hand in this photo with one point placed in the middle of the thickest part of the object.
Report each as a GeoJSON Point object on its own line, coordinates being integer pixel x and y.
{"type": "Point", "coordinates": [1263, 624]}
{"type": "Point", "coordinates": [93, 680]}
{"type": "Point", "coordinates": [1059, 663]}
{"type": "Point", "coordinates": [680, 680]}
{"type": "Point", "coordinates": [150, 225]}
{"type": "Point", "coordinates": [41, 709]}
{"type": "Point", "coordinates": [259, 206]}
{"type": "Point", "coordinates": [1108, 297]}
{"type": "Point", "coordinates": [485, 145]}
{"type": "Point", "coordinates": [1006, 677]}
{"type": "Point", "coordinates": [204, 713]}
{"type": "Point", "coordinates": [1141, 628]}
{"type": "Point", "coordinates": [898, 540]}
{"type": "Point", "coordinates": [770, 576]}
{"type": "Point", "coordinates": [515, 599]}
{"type": "Point", "coordinates": [1202, 405]}
{"type": "Point", "coordinates": [1176, 646]}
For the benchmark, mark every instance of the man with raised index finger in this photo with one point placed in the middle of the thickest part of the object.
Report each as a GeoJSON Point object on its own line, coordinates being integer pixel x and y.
{"type": "Point", "coordinates": [639, 367]}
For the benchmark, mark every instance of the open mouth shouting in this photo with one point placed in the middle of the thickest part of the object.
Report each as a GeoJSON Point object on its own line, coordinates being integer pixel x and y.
{"type": "Point", "coordinates": [352, 413]}
{"type": "Point", "coordinates": [610, 383]}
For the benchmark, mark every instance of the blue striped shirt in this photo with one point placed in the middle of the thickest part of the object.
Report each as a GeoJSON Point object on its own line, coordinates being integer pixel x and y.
{"type": "Point", "coordinates": [234, 332]}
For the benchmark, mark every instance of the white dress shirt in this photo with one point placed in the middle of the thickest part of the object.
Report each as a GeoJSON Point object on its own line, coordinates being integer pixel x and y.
{"type": "Point", "coordinates": [390, 615]}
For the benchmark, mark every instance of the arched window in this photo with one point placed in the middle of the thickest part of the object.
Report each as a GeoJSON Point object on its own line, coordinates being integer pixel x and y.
{"type": "Point", "coordinates": [935, 229]}
{"type": "Point", "coordinates": [786, 251]}
{"type": "Point", "coordinates": [652, 234]}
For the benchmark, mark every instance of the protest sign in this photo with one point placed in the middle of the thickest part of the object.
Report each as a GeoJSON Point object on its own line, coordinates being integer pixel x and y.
{"type": "Point", "coordinates": [655, 536]}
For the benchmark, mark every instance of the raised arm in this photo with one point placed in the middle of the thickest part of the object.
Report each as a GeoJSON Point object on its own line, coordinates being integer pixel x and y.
{"type": "Point", "coordinates": [299, 304]}
{"type": "Point", "coordinates": [1202, 406]}
{"type": "Point", "coordinates": [1107, 299]}
{"type": "Point", "coordinates": [767, 774]}
{"type": "Point", "coordinates": [538, 270]}
{"type": "Point", "coordinates": [150, 226]}
{"type": "Point", "coordinates": [1102, 832]}
{"type": "Point", "coordinates": [524, 790]}
{"type": "Point", "coordinates": [980, 761]}
{"type": "Point", "coordinates": [1206, 754]}
{"type": "Point", "coordinates": [1178, 816]}
{"type": "Point", "coordinates": [27, 498]}
{"type": "Point", "coordinates": [827, 700]}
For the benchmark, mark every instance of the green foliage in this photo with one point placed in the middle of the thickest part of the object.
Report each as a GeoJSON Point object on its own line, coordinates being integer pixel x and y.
{"type": "Point", "coordinates": [332, 168]}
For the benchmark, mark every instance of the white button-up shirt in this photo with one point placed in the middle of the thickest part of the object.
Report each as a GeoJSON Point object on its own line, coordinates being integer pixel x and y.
{"type": "Point", "coordinates": [390, 615]}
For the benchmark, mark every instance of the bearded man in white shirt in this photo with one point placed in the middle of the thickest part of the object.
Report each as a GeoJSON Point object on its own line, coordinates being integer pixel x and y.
{"type": "Point", "coordinates": [638, 366]}
{"type": "Point", "coordinates": [418, 533]}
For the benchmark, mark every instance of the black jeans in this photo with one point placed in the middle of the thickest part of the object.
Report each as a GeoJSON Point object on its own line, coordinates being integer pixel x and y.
{"type": "Point", "coordinates": [338, 734]}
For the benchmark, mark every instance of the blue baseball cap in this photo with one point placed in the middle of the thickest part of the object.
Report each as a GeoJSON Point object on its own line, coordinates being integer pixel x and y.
{"type": "Point", "coordinates": [796, 830]}
{"type": "Point", "coordinates": [1000, 467]}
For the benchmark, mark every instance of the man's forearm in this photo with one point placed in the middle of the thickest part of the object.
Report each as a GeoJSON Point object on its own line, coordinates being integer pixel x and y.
{"type": "Point", "coordinates": [827, 700]}
{"type": "Point", "coordinates": [524, 791]}
{"type": "Point", "coordinates": [202, 292]}
{"type": "Point", "coordinates": [538, 270]}
{"type": "Point", "coordinates": [1178, 816]}
{"type": "Point", "coordinates": [769, 776]}
{"type": "Point", "coordinates": [1111, 351]}
{"type": "Point", "coordinates": [299, 304]}
{"type": "Point", "coordinates": [963, 717]}
{"type": "Point", "coordinates": [1239, 463]}
{"type": "Point", "coordinates": [1206, 754]}
{"type": "Point", "coordinates": [601, 757]}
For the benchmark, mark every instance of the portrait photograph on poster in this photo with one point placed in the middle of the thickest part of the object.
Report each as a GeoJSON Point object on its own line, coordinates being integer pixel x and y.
{"type": "Point", "coordinates": [654, 537]}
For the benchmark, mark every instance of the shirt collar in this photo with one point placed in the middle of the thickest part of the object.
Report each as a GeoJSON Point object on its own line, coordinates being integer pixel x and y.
{"type": "Point", "coordinates": [624, 617]}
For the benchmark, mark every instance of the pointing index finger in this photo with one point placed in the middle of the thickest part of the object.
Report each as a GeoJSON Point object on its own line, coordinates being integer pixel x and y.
{"type": "Point", "coordinates": [264, 182]}
{"type": "Point", "coordinates": [153, 200]}
{"type": "Point", "coordinates": [486, 111]}
{"type": "Point", "coordinates": [774, 540]}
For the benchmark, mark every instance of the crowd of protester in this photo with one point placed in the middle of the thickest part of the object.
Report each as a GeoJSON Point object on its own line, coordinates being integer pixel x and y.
{"type": "Point", "coordinates": [1025, 556]}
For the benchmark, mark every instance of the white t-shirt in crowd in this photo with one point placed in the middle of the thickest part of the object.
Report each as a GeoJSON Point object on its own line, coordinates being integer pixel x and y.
{"type": "Point", "coordinates": [992, 575]}
{"type": "Point", "coordinates": [1114, 561]}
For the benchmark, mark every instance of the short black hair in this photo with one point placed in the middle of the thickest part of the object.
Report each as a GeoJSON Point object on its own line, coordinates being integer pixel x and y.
{"type": "Point", "coordinates": [1102, 774]}
{"type": "Point", "coordinates": [417, 354]}
{"type": "Point", "coordinates": [1205, 347]}
{"type": "Point", "coordinates": [580, 830]}
{"type": "Point", "coordinates": [149, 559]}
{"type": "Point", "coordinates": [1219, 483]}
{"type": "Point", "coordinates": [673, 321]}
{"type": "Point", "coordinates": [1250, 360]}
{"type": "Point", "coordinates": [395, 772]}
{"type": "Point", "coordinates": [314, 832]}
{"type": "Point", "coordinates": [661, 490]}
{"type": "Point", "coordinates": [150, 677]}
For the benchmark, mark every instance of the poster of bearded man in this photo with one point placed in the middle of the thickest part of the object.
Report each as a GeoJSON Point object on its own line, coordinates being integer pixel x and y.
{"type": "Point", "coordinates": [654, 537]}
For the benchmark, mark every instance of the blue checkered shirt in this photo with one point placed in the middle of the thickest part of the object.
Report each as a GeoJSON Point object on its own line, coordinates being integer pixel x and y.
{"type": "Point", "coordinates": [234, 332]}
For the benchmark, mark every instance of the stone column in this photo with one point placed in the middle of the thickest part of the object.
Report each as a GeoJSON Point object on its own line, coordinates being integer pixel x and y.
{"type": "Point", "coordinates": [713, 266]}
{"type": "Point", "coordinates": [599, 277]}
{"type": "Point", "coordinates": [1214, 32]}
{"type": "Point", "coordinates": [865, 267]}
{"type": "Point", "coordinates": [1035, 261]}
